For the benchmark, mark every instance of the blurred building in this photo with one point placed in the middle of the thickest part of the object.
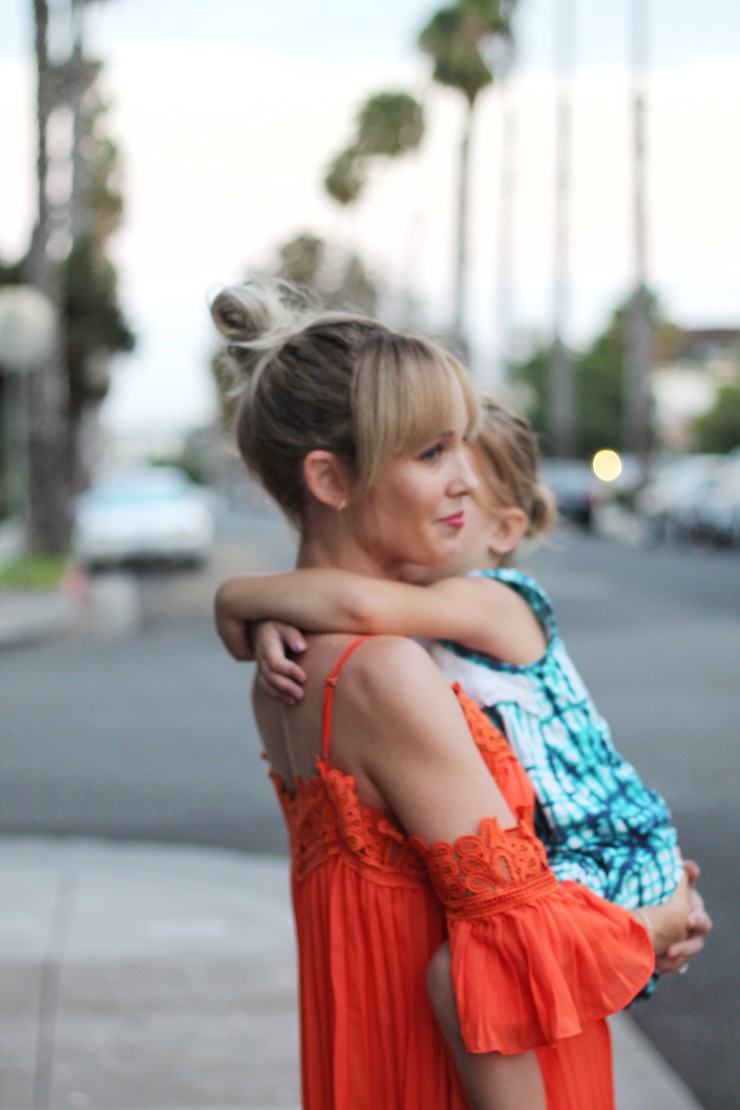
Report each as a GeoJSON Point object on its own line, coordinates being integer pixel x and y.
{"type": "Point", "coordinates": [685, 387]}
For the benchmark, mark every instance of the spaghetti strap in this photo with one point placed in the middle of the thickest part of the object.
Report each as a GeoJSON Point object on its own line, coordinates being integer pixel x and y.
{"type": "Point", "coordinates": [329, 687]}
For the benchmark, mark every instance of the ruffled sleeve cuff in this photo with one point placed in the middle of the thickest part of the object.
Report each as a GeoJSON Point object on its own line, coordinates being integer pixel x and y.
{"type": "Point", "coordinates": [538, 973]}
{"type": "Point", "coordinates": [533, 960]}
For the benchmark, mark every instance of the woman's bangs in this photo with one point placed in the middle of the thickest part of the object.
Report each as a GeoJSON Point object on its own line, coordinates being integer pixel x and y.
{"type": "Point", "coordinates": [428, 395]}
{"type": "Point", "coordinates": [413, 400]}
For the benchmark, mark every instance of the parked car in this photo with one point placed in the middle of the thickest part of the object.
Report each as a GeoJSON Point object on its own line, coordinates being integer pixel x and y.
{"type": "Point", "coordinates": [575, 487]}
{"type": "Point", "coordinates": [146, 514]}
{"type": "Point", "coordinates": [670, 503]}
{"type": "Point", "coordinates": [718, 514]}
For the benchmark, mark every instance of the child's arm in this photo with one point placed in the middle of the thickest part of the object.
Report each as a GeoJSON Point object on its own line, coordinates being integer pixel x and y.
{"type": "Point", "coordinates": [482, 614]}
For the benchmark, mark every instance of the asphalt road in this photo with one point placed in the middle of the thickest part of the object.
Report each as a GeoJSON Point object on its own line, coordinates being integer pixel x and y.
{"type": "Point", "coordinates": [149, 735]}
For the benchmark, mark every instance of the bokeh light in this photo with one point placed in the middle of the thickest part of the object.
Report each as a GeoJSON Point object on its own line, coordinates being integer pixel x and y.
{"type": "Point", "coordinates": [606, 465]}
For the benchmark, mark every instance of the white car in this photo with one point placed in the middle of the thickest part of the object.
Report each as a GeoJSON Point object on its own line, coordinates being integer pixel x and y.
{"type": "Point", "coordinates": [669, 503]}
{"type": "Point", "coordinates": [719, 512]}
{"type": "Point", "coordinates": [148, 514]}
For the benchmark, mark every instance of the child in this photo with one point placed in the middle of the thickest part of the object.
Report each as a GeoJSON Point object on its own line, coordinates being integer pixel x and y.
{"type": "Point", "coordinates": [496, 634]}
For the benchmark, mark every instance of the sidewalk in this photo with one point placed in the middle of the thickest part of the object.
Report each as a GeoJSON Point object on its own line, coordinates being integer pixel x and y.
{"type": "Point", "coordinates": [32, 616]}
{"type": "Point", "coordinates": [139, 976]}
{"type": "Point", "coordinates": [104, 606]}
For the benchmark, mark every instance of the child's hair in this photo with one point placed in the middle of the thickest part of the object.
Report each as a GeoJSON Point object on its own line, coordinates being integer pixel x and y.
{"type": "Point", "coordinates": [506, 446]}
{"type": "Point", "coordinates": [308, 380]}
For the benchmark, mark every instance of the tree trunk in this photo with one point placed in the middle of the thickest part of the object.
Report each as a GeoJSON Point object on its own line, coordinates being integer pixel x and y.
{"type": "Point", "coordinates": [49, 448]}
{"type": "Point", "coordinates": [505, 275]}
{"type": "Point", "coordinates": [37, 264]}
{"type": "Point", "coordinates": [561, 391]}
{"type": "Point", "coordinates": [638, 414]}
{"type": "Point", "coordinates": [461, 258]}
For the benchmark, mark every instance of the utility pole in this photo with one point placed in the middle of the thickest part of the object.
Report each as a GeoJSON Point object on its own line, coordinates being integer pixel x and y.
{"type": "Point", "coordinates": [505, 260]}
{"type": "Point", "coordinates": [561, 392]}
{"type": "Point", "coordinates": [637, 407]}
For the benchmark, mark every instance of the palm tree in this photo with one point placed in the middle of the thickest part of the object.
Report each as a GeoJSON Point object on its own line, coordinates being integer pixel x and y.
{"type": "Point", "coordinates": [458, 39]}
{"type": "Point", "coordinates": [389, 125]}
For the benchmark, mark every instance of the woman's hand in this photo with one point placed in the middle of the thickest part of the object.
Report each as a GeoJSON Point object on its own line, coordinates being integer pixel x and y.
{"type": "Point", "coordinates": [279, 677]}
{"type": "Point", "coordinates": [699, 925]}
{"type": "Point", "coordinates": [667, 923]}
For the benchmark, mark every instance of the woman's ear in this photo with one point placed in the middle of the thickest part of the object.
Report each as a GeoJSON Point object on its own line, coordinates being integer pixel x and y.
{"type": "Point", "coordinates": [326, 479]}
{"type": "Point", "coordinates": [508, 531]}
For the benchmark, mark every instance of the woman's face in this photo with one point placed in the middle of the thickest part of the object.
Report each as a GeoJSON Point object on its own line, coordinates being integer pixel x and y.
{"type": "Point", "coordinates": [416, 510]}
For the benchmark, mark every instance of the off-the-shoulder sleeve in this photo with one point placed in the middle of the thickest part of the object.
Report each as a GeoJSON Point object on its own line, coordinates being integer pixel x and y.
{"type": "Point", "coordinates": [533, 959]}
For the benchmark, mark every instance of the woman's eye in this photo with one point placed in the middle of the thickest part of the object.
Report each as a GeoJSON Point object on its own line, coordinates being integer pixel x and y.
{"type": "Point", "coordinates": [432, 453]}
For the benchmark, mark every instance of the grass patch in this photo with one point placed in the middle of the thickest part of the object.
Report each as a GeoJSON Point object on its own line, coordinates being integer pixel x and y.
{"type": "Point", "coordinates": [37, 572]}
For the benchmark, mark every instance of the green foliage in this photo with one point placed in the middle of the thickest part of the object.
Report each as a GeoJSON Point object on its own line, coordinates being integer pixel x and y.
{"type": "Point", "coordinates": [599, 388]}
{"type": "Point", "coordinates": [95, 325]}
{"type": "Point", "coordinates": [719, 429]}
{"type": "Point", "coordinates": [599, 382]}
{"type": "Point", "coordinates": [457, 39]}
{"type": "Point", "coordinates": [37, 572]}
{"type": "Point", "coordinates": [301, 259]}
{"type": "Point", "coordinates": [346, 177]}
{"type": "Point", "coordinates": [337, 277]}
{"type": "Point", "coordinates": [457, 60]}
{"type": "Point", "coordinates": [390, 124]}
{"type": "Point", "coordinates": [11, 273]}
{"type": "Point", "coordinates": [533, 374]}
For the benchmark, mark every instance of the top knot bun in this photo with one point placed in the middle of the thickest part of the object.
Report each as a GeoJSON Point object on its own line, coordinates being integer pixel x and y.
{"type": "Point", "coordinates": [258, 314]}
{"type": "Point", "coordinates": [256, 320]}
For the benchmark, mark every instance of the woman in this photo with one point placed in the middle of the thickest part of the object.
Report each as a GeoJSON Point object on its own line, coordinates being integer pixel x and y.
{"type": "Point", "coordinates": [410, 820]}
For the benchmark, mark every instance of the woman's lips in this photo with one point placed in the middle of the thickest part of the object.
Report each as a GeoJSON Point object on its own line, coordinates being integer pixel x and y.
{"type": "Point", "coordinates": [456, 520]}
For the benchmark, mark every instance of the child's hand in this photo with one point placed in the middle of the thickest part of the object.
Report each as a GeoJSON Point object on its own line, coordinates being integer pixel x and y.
{"type": "Point", "coordinates": [279, 677]}
{"type": "Point", "coordinates": [699, 925]}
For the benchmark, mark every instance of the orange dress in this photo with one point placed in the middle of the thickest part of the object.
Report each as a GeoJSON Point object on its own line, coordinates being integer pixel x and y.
{"type": "Point", "coordinates": [535, 963]}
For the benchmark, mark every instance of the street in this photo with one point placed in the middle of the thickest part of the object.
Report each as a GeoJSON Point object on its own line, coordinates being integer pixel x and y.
{"type": "Point", "coordinates": [149, 736]}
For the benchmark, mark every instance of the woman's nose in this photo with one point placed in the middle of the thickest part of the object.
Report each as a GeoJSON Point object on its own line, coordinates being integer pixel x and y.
{"type": "Point", "coordinates": [466, 479]}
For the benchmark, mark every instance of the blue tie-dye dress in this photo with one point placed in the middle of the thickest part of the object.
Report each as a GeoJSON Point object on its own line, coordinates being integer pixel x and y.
{"type": "Point", "coordinates": [600, 824]}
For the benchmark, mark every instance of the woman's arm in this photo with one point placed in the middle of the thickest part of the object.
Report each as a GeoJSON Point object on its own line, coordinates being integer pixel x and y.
{"type": "Point", "coordinates": [409, 732]}
{"type": "Point", "coordinates": [482, 614]}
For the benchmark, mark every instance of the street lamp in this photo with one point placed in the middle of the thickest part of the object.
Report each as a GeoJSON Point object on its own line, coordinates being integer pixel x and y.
{"type": "Point", "coordinates": [28, 329]}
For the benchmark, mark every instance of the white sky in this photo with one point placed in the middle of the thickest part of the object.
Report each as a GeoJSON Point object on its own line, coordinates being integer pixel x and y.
{"type": "Point", "coordinates": [227, 111]}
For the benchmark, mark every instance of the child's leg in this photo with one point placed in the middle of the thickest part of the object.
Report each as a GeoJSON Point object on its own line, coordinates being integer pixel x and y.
{"type": "Point", "coordinates": [491, 1081]}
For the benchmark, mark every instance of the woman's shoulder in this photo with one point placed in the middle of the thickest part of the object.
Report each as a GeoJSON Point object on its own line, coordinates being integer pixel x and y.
{"type": "Point", "coordinates": [366, 663]}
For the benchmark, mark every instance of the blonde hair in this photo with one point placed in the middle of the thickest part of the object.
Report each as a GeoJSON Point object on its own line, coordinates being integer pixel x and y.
{"type": "Point", "coordinates": [308, 380]}
{"type": "Point", "coordinates": [508, 457]}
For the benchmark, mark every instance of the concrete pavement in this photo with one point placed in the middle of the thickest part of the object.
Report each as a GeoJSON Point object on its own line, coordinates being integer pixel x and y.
{"type": "Point", "coordinates": [136, 976]}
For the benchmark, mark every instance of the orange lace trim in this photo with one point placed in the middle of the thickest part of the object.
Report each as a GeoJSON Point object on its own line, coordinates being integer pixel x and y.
{"type": "Point", "coordinates": [488, 873]}
{"type": "Point", "coordinates": [326, 818]}
{"type": "Point", "coordinates": [476, 876]}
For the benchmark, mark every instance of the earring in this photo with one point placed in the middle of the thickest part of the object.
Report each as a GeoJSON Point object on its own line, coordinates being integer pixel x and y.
{"type": "Point", "coordinates": [341, 505]}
